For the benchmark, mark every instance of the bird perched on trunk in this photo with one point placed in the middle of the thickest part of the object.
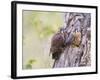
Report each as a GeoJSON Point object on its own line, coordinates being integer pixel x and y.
{"type": "Point", "coordinates": [57, 45]}
{"type": "Point", "coordinates": [62, 39]}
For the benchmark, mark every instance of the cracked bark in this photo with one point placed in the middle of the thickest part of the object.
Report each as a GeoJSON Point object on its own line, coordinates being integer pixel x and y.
{"type": "Point", "coordinates": [76, 56]}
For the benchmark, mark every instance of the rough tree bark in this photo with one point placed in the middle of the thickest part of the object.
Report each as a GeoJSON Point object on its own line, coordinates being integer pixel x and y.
{"type": "Point", "coordinates": [74, 56]}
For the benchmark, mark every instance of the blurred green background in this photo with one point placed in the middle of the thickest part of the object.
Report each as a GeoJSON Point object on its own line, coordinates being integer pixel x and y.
{"type": "Point", "coordinates": [38, 29]}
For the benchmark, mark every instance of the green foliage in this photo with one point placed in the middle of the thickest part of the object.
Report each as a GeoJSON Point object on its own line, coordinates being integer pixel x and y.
{"type": "Point", "coordinates": [44, 23]}
{"type": "Point", "coordinates": [30, 63]}
{"type": "Point", "coordinates": [38, 28]}
{"type": "Point", "coordinates": [28, 66]}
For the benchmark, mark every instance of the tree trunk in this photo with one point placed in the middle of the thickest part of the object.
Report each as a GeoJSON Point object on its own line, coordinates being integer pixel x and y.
{"type": "Point", "coordinates": [75, 56]}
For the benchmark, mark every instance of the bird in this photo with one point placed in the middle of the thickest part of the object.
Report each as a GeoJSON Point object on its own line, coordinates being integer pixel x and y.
{"type": "Point", "coordinates": [57, 45]}
{"type": "Point", "coordinates": [76, 39]}
{"type": "Point", "coordinates": [61, 40]}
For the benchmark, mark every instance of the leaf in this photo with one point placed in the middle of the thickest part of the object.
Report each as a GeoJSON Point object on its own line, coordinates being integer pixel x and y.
{"type": "Point", "coordinates": [28, 66]}
{"type": "Point", "coordinates": [31, 61]}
